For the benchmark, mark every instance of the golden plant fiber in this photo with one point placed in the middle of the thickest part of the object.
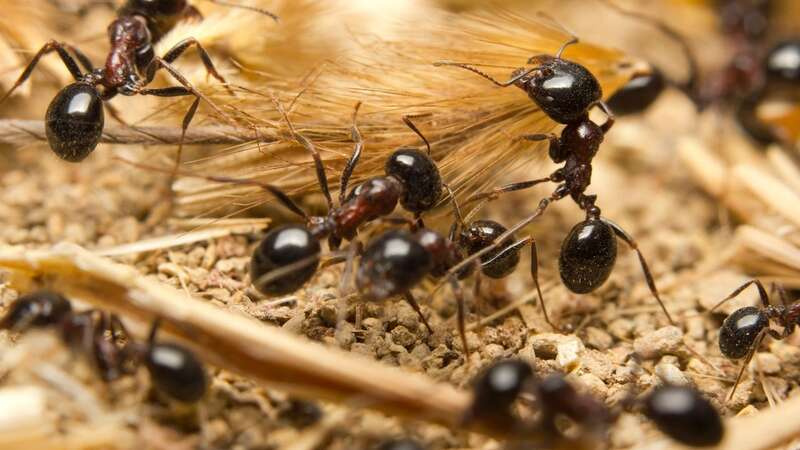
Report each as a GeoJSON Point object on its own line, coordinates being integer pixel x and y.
{"type": "Point", "coordinates": [473, 126]}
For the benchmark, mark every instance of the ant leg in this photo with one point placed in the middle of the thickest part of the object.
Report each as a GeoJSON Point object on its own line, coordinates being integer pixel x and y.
{"type": "Point", "coordinates": [610, 119]}
{"type": "Point", "coordinates": [158, 63]}
{"type": "Point", "coordinates": [535, 278]}
{"type": "Point", "coordinates": [496, 192]}
{"type": "Point", "coordinates": [49, 47]}
{"type": "Point", "coordinates": [461, 315]}
{"type": "Point", "coordinates": [413, 303]}
{"type": "Point", "coordinates": [302, 140]}
{"type": "Point", "coordinates": [648, 276]}
{"type": "Point", "coordinates": [178, 50]}
{"type": "Point", "coordinates": [351, 163]}
{"type": "Point", "coordinates": [762, 293]}
{"type": "Point", "coordinates": [247, 7]}
{"type": "Point", "coordinates": [281, 196]}
{"type": "Point", "coordinates": [410, 124]}
{"type": "Point", "coordinates": [745, 363]}
{"type": "Point", "coordinates": [509, 82]}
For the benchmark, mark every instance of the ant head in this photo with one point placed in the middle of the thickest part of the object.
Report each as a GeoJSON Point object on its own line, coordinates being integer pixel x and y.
{"type": "Point", "coordinates": [685, 415]}
{"type": "Point", "coordinates": [497, 388]}
{"type": "Point", "coordinates": [498, 262]}
{"type": "Point", "coordinates": [38, 309]}
{"type": "Point", "coordinates": [282, 246]}
{"type": "Point", "coordinates": [74, 121]}
{"type": "Point", "coordinates": [783, 62]}
{"type": "Point", "coordinates": [637, 94]}
{"type": "Point", "coordinates": [176, 372]}
{"type": "Point", "coordinates": [129, 32]}
{"type": "Point", "coordinates": [392, 264]}
{"type": "Point", "coordinates": [740, 330]}
{"type": "Point", "coordinates": [587, 257]}
{"type": "Point", "coordinates": [419, 175]}
{"type": "Point", "coordinates": [563, 89]}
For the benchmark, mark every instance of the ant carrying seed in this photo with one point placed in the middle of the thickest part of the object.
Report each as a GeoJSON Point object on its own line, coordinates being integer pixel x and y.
{"type": "Point", "coordinates": [174, 370]}
{"type": "Point", "coordinates": [744, 329]}
{"type": "Point", "coordinates": [566, 91]}
{"type": "Point", "coordinates": [683, 414]}
{"type": "Point", "coordinates": [74, 120]}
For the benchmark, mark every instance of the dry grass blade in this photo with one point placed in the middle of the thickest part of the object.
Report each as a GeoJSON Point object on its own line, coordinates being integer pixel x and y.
{"type": "Point", "coordinates": [237, 343]}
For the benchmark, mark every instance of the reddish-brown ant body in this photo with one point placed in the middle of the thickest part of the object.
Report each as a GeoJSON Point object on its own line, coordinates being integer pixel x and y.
{"type": "Point", "coordinates": [74, 120]}
{"type": "Point", "coordinates": [566, 91]}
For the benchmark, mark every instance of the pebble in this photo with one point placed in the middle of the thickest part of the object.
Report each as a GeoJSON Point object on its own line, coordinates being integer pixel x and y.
{"type": "Point", "coordinates": [402, 336]}
{"type": "Point", "coordinates": [594, 386]}
{"type": "Point", "coordinates": [621, 328]}
{"type": "Point", "coordinates": [671, 374]}
{"type": "Point", "coordinates": [597, 338]}
{"type": "Point", "coordinates": [667, 340]}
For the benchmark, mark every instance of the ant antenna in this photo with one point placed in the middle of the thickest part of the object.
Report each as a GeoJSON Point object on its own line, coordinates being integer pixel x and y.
{"type": "Point", "coordinates": [573, 37]}
{"type": "Point", "coordinates": [511, 81]}
{"type": "Point", "coordinates": [690, 85]}
{"type": "Point", "coordinates": [355, 135]}
{"type": "Point", "coordinates": [410, 124]}
{"type": "Point", "coordinates": [762, 293]}
{"type": "Point", "coordinates": [151, 336]}
{"type": "Point", "coordinates": [247, 7]}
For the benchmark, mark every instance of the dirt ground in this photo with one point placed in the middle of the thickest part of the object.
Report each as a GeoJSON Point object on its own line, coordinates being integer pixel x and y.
{"type": "Point", "coordinates": [641, 183]}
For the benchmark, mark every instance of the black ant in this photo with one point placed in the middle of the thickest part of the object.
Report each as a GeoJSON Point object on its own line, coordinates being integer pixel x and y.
{"type": "Point", "coordinates": [743, 330]}
{"type": "Point", "coordinates": [566, 91]}
{"type": "Point", "coordinates": [683, 414]}
{"type": "Point", "coordinates": [174, 370]}
{"type": "Point", "coordinates": [74, 120]}
{"type": "Point", "coordinates": [499, 386]}
{"type": "Point", "coordinates": [678, 411]}
{"type": "Point", "coordinates": [753, 72]}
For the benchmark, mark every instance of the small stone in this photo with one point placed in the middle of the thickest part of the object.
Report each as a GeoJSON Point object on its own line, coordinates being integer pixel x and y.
{"type": "Point", "coordinates": [594, 386]}
{"type": "Point", "coordinates": [671, 374]}
{"type": "Point", "coordinates": [328, 314]}
{"type": "Point", "coordinates": [748, 410]}
{"type": "Point", "coordinates": [493, 351]}
{"type": "Point", "coordinates": [768, 363]}
{"type": "Point", "coordinates": [696, 327]}
{"type": "Point", "coordinates": [344, 335]}
{"type": "Point", "coordinates": [401, 336]}
{"type": "Point", "coordinates": [621, 328]}
{"type": "Point", "coordinates": [372, 324]}
{"type": "Point", "coordinates": [667, 340]}
{"type": "Point", "coordinates": [597, 338]}
{"type": "Point", "coordinates": [569, 354]}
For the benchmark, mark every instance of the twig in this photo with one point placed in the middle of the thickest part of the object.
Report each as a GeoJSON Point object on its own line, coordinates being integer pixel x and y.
{"type": "Point", "coordinates": [237, 343]}
{"type": "Point", "coordinates": [14, 131]}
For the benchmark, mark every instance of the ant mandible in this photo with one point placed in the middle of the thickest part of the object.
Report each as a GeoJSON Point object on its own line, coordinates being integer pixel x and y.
{"type": "Point", "coordinates": [74, 120]}
{"type": "Point", "coordinates": [743, 330]}
{"type": "Point", "coordinates": [174, 370]}
{"type": "Point", "coordinates": [566, 91]}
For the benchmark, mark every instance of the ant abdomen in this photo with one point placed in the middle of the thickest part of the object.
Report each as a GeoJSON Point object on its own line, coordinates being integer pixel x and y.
{"type": "Point", "coordinates": [685, 415]}
{"type": "Point", "coordinates": [637, 94]}
{"type": "Point", "coordinates": [176, 372]}
{"type": "Point", "coordinates": [392, 264]}
{"type": "Point", "coordinates": [419, 176]}
{"type": "Point", "coordinates": [500, 261]}
{"type": "Point", "coordinates": [563, 89]}
{"type": "Point", "coordinates": [74, 121]}
{"type": "Point", "coordinates": [38, 309]}
{"type": "Point", "coordinates": [740, 330]}
{"type": "Point", "coordinates": [588, 254]}
{"type": "Point", "coordinates": [497, 388]}
{"type": "Point", "coordinates": [283, 246]}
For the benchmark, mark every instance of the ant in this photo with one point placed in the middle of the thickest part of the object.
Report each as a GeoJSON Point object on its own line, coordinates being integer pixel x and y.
{"type": "Point", "coordinates": [744, 329]}
{"type": "Point", "coordinates": [680, 412]}
{"type": "Point", "coordinates": [74, 119]}
{"type": "Point", "coordinates": [174, 370]}
{"type": "Point", "coordinates": [566, 91]}
{"type": "Point", "coordinates": [754, 70]}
